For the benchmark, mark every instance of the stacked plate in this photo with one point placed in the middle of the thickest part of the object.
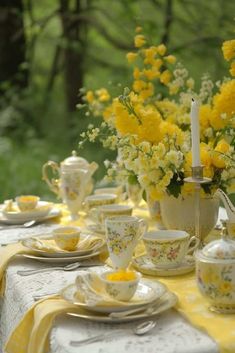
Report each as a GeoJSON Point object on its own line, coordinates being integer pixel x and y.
{"type": "Point", "coordinates": [45, 250]}
{"type": "Point", "coordinates": [151, 298]}
{"type": "Point", "coordinates": [44, 211]}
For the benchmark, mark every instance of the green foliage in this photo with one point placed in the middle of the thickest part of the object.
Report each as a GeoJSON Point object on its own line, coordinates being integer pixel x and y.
{"type": "Point", "coordinates": [34, 123]}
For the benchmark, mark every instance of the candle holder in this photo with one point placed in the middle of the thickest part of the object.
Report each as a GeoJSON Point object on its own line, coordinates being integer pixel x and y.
{"type": "Point", "coordinates": [197, 179]}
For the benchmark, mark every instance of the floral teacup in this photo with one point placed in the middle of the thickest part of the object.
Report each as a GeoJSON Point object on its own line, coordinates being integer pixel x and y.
{"type": "Point", "coordinates": [119, 286]}
{"type": "Point", "coordinates": [66, 238]}
{"type": "Point", "coordinates": [99, 200]}
{"type": "Point", "coordinates": [100, 213]}
{"type": "Point", "coordinates": [122, 234]}
{"type": "Point", "coordinates": [167, 248]}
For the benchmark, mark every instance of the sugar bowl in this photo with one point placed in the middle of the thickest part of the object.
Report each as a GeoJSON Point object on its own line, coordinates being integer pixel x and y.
{"type": "Point", "coordinates": [215, 273]}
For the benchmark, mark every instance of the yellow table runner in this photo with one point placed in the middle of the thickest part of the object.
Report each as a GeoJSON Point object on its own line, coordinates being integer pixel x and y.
{"type": "Point", "coordinates": [38, 320]}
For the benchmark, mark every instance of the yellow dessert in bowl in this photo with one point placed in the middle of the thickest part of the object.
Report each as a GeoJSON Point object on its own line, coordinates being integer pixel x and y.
{"type": "Point", "coordinates": [27, 202]}
{"type": "Point", "coordinates": [121, 285]}
{"type": "Point", "coordinates": [67, 238]}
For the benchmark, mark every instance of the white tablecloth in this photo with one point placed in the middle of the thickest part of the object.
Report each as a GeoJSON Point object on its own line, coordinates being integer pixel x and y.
{"type": "Point", "coordinates": [171, 334]}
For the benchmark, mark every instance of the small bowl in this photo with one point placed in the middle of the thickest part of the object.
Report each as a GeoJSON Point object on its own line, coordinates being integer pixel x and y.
{"type": "Point", "coordinates": [27, 202]}
{"type": "Point", "coordinates": [67, 238]}
{"type": "Point", "coordinates": [120, 289]}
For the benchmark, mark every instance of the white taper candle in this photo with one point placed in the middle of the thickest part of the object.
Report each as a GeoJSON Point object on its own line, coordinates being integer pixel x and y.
{"type": "Point", "coordinates": [195, 134]}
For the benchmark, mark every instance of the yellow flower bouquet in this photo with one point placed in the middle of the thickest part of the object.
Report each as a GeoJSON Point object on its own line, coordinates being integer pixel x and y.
{"type": "Point", "coordinates": [149, 124]}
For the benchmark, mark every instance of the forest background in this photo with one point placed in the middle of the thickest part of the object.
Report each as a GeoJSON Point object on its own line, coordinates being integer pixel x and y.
{"type": "Point", "coordinates": [50, 49]}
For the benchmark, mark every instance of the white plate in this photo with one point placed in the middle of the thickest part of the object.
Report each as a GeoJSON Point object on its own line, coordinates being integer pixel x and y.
{"type": "Point", "coordinates": [143, 264]}
{"type": "Point", "coordinates": [146, 293]}
{"type": "Point", "coordinates": [61, 260]}
{"type": "Point", "coordinates": [28, 244]}
{"type": "Point", "coordinates": [167, 301]}
{"type": "Point", "coordinates": [54, 212]}
{"type": "Point", "coordinates": [42, 210]}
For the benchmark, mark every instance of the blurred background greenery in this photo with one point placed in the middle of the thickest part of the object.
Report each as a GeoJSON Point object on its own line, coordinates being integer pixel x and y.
{"type": "Point", "coordinates": [52, 48]}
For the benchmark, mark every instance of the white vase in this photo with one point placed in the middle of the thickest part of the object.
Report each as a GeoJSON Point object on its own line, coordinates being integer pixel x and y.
{"type": "Point", "coordinates": [155, 212]}
{"type": "Point", "coordinates": [179, 213]}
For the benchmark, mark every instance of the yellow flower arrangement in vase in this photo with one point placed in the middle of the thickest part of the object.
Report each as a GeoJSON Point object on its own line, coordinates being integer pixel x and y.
{"type": "Point", "coordinates": [149, 124]}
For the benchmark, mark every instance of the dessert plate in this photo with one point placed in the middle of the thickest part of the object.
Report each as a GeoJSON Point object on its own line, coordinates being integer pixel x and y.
{"type": "Point", "coordinates": [143, 264]}
{"type": "Point", "coordinates": [167, 301]}
{"type": "Point", "coordinates": [42, 210]}
{"type": "Point", "coordinates": [62, 260]}
{"type": "Point", "coordinates": [146, 293]}
{"type": "Point", "coordinates": [48, 248]}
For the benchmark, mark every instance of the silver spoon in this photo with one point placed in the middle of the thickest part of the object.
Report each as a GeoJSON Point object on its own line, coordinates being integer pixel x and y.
{"type": "Point", "coordinates": [139, 330]}
{"type": "Point", "coordinates": [69, 267]}
{"type": "Point", "coordinates": [27, 224]}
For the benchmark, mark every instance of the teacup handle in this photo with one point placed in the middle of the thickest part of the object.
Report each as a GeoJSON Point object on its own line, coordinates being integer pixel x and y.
{"type": "Point", "coordinates": [191, 240]}
{"type": "Point", "coordinates": [143, 227]}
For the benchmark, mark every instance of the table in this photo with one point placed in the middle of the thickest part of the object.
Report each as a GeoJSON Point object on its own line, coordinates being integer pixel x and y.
{"type": "Point", "coordinates": [172, 333]}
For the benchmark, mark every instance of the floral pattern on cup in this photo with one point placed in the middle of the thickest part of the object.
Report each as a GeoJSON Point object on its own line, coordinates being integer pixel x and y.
{"type": "Point", "coordinates": [100, 200]}
{"type": "Point", "coordinates": [168, 248]}
{"type": "Point", "coordinates": [122, 234]}
{"type": "Point", "coordinates": [120, 290]}
{"type": "Point", "coordinates": [217, 283]}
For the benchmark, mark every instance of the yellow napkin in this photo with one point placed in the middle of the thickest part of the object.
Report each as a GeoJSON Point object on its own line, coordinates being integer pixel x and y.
{"type": "Point", "coordinates": [6, 254]}
{"type": "Point", "coordinates": [49, 245]}
{"type": "Point", "coordinates": [31, 335]}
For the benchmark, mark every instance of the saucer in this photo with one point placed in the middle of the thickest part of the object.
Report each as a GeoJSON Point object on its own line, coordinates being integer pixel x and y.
{"type": "Point", "coordinates": [146, 293]}
{"type": "Point", "coordinates": [57, 252]}
{"type": "Point", "coordinates": [53, 213]}
{"type": "Point", "coordinates": [143, 264]}
{"type": "Point", "coordinates": [167, 301]}
{"type": "Point", "coordinates": [62, 260]}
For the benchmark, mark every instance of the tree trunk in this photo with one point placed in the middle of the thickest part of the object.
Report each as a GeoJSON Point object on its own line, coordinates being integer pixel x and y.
{"type": "Point", "coordinates": [73, 52]}
{"type": "Point", "coordinates": [12, 43]}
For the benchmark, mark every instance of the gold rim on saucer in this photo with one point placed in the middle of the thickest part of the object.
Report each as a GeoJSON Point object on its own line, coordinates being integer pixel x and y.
{"type": "Point", "coordinates": [144, 265]}
{"type": "Point", "coordinates": [168, 301]}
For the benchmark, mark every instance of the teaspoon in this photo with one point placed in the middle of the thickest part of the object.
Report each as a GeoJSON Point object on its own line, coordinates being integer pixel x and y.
{"type": "Point", "coordinates": [69, 267]}
{"type": "Point", "coordinates": [139, 330]}
{"type": "Point", "coordinates": [27, 224]}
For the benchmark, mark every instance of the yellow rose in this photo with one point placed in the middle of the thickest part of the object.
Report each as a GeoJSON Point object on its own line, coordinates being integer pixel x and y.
{"type": "Point", "coordinates": [137, 73]}
{"type": "Point", "coordinates": [90, 97]}
{"type": "Point", "coordinates": [232, 69]}
{"type": "Point", "coordinates": [138, 85]}
{"type": "Point", "coordinates": [131, 57]}
{"type": "Point", "coordinates": [225, 287]}
{"type": "Point", "coordinates": [103, 95]}
{"type": "Point", "coordinates": [205, 113]}
{"type": "Point", "coordinates": [171, 59]}
{"type": "Point", "coordinates": [228, 49]}
{"type": "Point", "coordinates": [139, 40]}
{"type": "Point", "coordinates": [221, 149]}
{"type": "Point", "coordinates": [165, 77]}
{"type": "Point", "coordinates": [161, 49]}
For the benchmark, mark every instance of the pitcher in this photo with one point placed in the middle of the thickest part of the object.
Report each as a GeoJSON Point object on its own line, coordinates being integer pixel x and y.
{"type": "Point", "coordinates": [74, 181]}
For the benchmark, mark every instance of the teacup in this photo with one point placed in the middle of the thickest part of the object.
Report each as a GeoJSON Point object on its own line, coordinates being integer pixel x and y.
{"type": "Point", "coordinates": [27, 202]}
{"type": "Point", "coordinates": [168, 248]}
{"type": "Point", "coordinates": [66, 238]}
{"type": "Point", "coordinates": [117, 190]}
{"type": "Point", "coordinates": [99, 200]}
{"type": "Point", "coordinates": [119, 286]}
{"type": "Point", "coordinates": [99, 214]}
{"type": "Point", "coordinates": [123, 234]}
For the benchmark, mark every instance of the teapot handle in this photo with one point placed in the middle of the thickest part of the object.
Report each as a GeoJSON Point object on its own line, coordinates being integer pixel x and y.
{"type": "Point", "coordinates": [52, 183]}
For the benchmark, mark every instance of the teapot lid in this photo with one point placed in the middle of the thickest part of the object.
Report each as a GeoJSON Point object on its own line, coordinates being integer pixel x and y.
{"type": "Point", "coordinates": [75, 162]}
{"type": "Point", "coordinates": [222, 249]}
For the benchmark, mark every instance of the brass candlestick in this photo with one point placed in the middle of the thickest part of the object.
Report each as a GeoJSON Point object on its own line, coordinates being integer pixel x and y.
{"type": "Point", "coordinates": [197, 179]}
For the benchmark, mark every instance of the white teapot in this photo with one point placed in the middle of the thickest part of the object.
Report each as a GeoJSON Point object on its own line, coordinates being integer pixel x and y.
{"type": "Point", "coordinates": [74, 182]}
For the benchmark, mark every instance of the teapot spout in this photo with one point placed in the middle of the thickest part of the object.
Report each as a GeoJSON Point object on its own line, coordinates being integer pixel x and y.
{"type": "Point", "coordinates": [227, 204]}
